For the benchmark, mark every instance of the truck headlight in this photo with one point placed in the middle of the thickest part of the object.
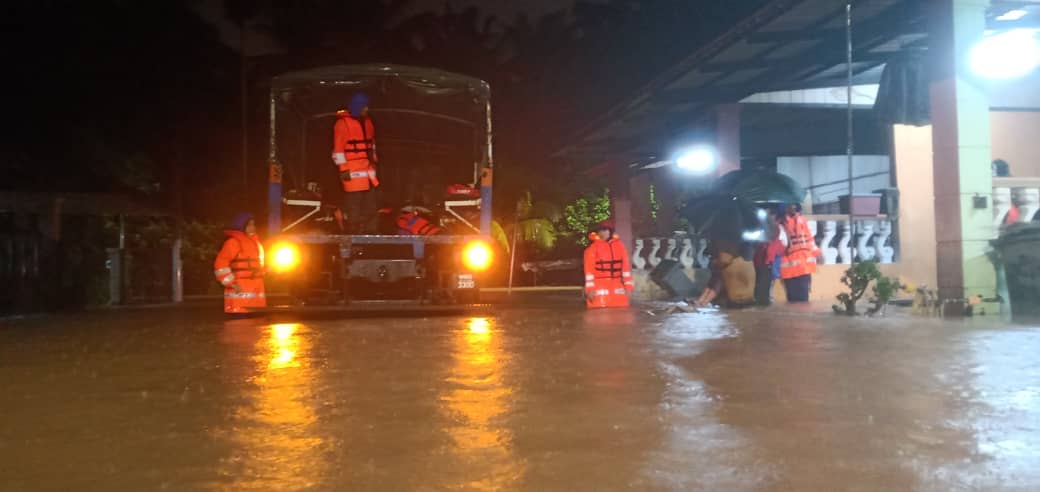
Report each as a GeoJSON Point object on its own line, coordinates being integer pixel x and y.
{"type": "Point", "coordinates": [285, 258]}
{"type": "Point", "coordinates": [476, 256]}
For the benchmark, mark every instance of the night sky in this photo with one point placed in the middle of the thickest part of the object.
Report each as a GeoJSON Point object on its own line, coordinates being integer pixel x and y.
{"type": "Point", "coordinates": [259, 43]}
{"type": "Point", "coordinates": [506, 9]}
{"type": "Point", "coordinates": [146, 96]}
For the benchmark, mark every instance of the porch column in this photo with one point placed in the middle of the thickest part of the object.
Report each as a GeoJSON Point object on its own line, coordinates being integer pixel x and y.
{"type": "Point", "coordinates": [727, 137]}
{"type": "Point", "coordinates": [961, 152]}
{"type": "Point", "coordinates": [621, 203]}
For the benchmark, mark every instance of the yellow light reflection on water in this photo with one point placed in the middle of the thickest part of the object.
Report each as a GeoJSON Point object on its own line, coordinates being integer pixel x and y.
{"type": "Point", "coordinates": [283, 345]}
{"type": "Point", "coordinates": [283, 331]}
{"type": "Point", "coordinates": [276, 442]}
{"type": "Point", "coordinates": [479, 326]}
{"type": "Point", "coordinates": [478, 404]}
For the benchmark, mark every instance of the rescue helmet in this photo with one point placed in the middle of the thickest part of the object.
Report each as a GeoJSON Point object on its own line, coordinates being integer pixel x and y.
{"type": "Point", "coordinates": [604, 225]}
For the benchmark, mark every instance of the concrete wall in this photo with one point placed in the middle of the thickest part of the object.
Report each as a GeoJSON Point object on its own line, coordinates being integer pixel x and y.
{"type": "Point", "coordinates": [1015, 139]}
{"type": "Point", "coordinates": [912, 149]}
{"type": "Point", "coordinates": [827, 281]}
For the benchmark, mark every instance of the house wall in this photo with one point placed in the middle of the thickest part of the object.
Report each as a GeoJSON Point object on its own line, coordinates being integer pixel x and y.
{"type": "Point", "coordinates": [1015, 139]}
{"type": "Point", "coordinates": [1014, 135]}
{"type": "Point", "coordinates": [912, 155]}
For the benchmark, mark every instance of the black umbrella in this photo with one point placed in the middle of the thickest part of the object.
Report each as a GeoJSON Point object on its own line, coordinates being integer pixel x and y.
{"type": "Point", "coordinates": [725, 217]}
{"type": "Point", "coordinates": [760, 186]}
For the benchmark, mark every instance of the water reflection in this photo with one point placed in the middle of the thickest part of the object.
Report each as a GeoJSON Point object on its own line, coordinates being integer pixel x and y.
{"type": "Point", "coordinates": [283, 346]}
{"type": "Point", "coordinates": [477, 403]}
{"type": "Point", "coordinates": [275, 436]}
{"type": "Point", "coordinates": [1006, 389]}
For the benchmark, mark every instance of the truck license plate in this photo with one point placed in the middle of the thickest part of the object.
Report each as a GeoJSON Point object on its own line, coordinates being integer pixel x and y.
{"type": "Point", "coordinates": [465, 281]}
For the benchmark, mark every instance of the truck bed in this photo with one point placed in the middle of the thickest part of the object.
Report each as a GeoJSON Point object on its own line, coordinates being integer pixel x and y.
{"type": "Point", "coordinates": [379, 239]}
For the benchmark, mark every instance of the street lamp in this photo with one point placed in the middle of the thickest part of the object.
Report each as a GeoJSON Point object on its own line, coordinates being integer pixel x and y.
{"type": "Point", "coordinates": [1006, 55]}
{"type": "Point", "coordinates": [697, 160]}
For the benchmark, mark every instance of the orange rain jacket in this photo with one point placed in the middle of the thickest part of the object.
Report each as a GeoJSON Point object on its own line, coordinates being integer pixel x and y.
{"type": "Point", "coordinates": [241, 262]}
{"type": "Point", "coordinates": [354, 151]}
{"type": "Point", "coordinates": [800, 257]}
{"type": "Point", "coordinates": [608, 273]}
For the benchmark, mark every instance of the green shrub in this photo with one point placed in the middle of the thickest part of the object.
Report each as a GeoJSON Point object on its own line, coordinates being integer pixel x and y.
{"type": "Point", "coordinates": [858, 279]}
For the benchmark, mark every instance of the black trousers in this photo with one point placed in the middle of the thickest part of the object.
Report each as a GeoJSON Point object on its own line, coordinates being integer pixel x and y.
{"type": "Point", "coordinates": [361, 211]}
{"type": "Point", "coordinates": [798, 288]}
{"type": "Point", "coordinates": [764, 285]}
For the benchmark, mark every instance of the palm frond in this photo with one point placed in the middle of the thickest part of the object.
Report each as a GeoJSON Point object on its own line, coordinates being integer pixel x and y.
{"type": "Point", "coordinates": [539, 232]}
{"type": "Point", "coordinates": [498, 234]}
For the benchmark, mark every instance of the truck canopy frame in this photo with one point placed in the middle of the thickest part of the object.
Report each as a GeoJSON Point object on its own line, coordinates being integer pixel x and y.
{"type": "Point", "coordinates": [307, 95]}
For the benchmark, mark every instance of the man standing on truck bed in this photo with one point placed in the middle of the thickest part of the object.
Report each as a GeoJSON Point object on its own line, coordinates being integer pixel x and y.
{"type": "Point", "coordinates": [354, 153]}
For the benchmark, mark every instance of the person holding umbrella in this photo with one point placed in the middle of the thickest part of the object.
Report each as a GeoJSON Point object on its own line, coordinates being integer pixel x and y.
{"type": "Point", "coordinates": [764, 186]}
{"type": "Point", "coordinates": [798, 263]}
{"type": "Point", "coordinates": [729, 222]}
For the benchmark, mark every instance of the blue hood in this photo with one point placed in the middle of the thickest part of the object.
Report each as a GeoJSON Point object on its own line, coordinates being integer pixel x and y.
{"type": "Point", "coordinates": [239, 222]}
{"type": "Point", "coordinates": [358, 102]}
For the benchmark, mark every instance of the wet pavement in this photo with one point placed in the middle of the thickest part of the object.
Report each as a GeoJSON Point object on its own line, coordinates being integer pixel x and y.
{"type": "Point", "coordinates": [531, 398]}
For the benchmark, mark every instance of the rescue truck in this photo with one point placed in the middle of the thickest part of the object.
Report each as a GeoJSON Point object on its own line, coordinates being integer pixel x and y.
{"type": "Point", "coordinates": [433, 137]}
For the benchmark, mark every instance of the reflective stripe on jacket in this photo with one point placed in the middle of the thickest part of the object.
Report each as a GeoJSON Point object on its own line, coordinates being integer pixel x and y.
{"type": "Point", "coordinates": [353, 139]}
{"type": "Point", "coordinates": [607, 261]}
{"type": "Point", "coordinates": [241, 257]}
{"type": "Point", "coordinates": [354, 151]}
{"type": "Point", "coordinates": [800, 256]}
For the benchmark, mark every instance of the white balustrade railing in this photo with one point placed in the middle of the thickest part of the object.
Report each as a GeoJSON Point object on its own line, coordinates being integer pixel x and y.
{"type": "Point", "coordinates": [1022, 193]}
{"type": "Point", "coordinates": [869, 239]}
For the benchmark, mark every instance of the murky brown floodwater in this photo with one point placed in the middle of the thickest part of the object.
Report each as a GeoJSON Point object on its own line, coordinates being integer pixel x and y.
{"type": "Point", "coordinates": [524, 399]}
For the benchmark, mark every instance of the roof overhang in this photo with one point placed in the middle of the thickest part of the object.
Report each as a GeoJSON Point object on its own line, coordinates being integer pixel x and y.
{"type": "Point", "coordinates": [785, 45]}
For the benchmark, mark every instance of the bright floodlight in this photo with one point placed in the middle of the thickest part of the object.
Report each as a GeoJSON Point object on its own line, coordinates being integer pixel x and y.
{"type": "Point", "coordinates": [1012, 15]}
{"type": "Point", "coordinates": [697, 160]}
{"type": "Point", "coordinates": [1006, 55]}
{"type": "Point", "coordinates": [753, 236]}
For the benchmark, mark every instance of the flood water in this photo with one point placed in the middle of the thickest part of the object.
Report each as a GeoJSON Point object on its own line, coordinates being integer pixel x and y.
{"type": "Point", "coordinates": [524, 398]}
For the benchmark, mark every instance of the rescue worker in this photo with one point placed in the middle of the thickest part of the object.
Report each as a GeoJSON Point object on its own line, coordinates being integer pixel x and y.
{"type": "Point", "coordinates": [798, 263]}
{"type": "Point", "coordinates": [239, 266]}
{"type": "Point", "coordinates": [767, 259]}
{"type": "Point", "coordinates": [608, 270]}
{"type": "Point", "coordinates": [354, 153]}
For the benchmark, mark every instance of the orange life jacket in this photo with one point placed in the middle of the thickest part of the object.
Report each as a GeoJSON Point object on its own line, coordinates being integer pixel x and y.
{"type": "Point", "coordinates": [414, 224]}
{"type": "Point", "coordinates": [608, 273]}
{"type": "Point", "coordinates": [800, 257]}
{"type": "Point", "coordinates": [242, 256]}
{"type": "Point", "coordinates": [354, 151]}
{"type": "Point", "coordinates": [241, 262]}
